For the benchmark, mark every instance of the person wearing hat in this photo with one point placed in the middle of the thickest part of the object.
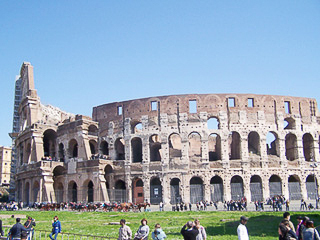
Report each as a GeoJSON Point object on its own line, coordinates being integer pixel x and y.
{"type": "Point", "coordinates": [242, 229]}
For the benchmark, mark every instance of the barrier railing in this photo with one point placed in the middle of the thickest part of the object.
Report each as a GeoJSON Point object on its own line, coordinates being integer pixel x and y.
{"type": "Point", "coordinates": [44, 235]}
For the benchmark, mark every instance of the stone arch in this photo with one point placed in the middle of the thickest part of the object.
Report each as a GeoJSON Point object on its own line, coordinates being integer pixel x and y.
{"type": "Point", "coordinates": [175, 146]}
{"type": "Point", "coordinates": [234, 145]}
{"type": "Point", "coordinates": [273, 144]}
{"type": "Point", "coordinates": [294, 187]}
{"type": "Point", "coordinates": [58, 171]}
{"type": "Point", "coordinates": [308, 147]}
{"type": "Point", "coordinates": [155, 148]}
{"type": "Point", "coordinates": [275, 186]}
{"type": "Point", "coordinates": [49, 143]}
{"type": "Point", "coordinates": [311, 185]}
{"type": "Point", "coordinates": [88, 191]}
{"type": "Point", "coordinates": [119, 148]}
{"type": "Point", "coordinates": [58, 191]}
{"type": "Point", "coordinates": [72, 191]}
{"type": "Point", "coordinates": [138, 192]}
{"type": "Point", "coordinates": [216, 189]}
{"type": "Point", "coordinates": [214, 145]}
{"type": "Point", "coordinates": [237, 191]}
{"type": "Point", "coordinates": [93, 146]}
{"type": "Point", "coordinates": [35, 192]}
{"type": "Point", "coordinates": [213, 123]}
{"type": "Point", "coordinates": [289, 123]}
{"type": "Point", "coordinates": [196, 190]}
{"type": "Point", "coordinates": [254, 143]}
{"type": "Point", "coordinates": [155, 190]}
{"type": "Point", "coordinates": [136, 149]}
{"type": "Point", "coordinates": [291, 147]}
{"type": "Point", "coordinates": [73, 148]}
{"type": "Point", "coordinates": [61, 152]}
{"type": "Point", "coordinates": [175, 191]}
{"type": "Point", "coordinates": [104, 148]}
{"type": "Point", "coordinates": [93, 130]}
{"type": "Point", "coordinates": [136, 127]}
{"type": "Point", "coordinates": [195, 150]}
{"type": "Point", "coordinates": [256, 188]}
{"type": "Point", "coordinates": [120, 191]}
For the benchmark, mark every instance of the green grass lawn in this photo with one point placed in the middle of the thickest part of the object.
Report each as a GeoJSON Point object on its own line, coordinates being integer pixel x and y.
{"type": "Point", "coordinates": [261, 225]}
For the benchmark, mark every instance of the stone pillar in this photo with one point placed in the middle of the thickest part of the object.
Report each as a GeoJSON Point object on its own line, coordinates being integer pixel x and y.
{"type": "Point", "coordinates": [227, 188]}
{"type": "Point", "coordinates": [146, 188]}
{"type": "Point", "coordinates": [128, 182]}
{"type": "Point", "coordinates": [165, 189]}
{"type": "Point", "coordinates": [246, 186]}
{"type": "Point", "coordinates": [185, 189]}
{"type": "Point", "coordinates": [265, 187]}
{"type": "Point", "coordinates": [285, 188]}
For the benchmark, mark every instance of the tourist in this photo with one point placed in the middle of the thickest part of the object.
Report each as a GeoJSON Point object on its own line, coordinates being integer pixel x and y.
{"type": "Point", "coordinates": [161, 206]}
{"type": "Point", "coordinates": [158, 233]}
{"type": "Point", "coordinates": [190, 206]}
{"type": "Point", "coordinates": [1, 230]}
{"type": "Point", "coordinates": [125, 232]}
{"type": "Point", "coordinates": [56, 228]}
{"type": "Point", "coordinates": [190, 233]}
{"type": "Point", "coordinates": [143, 231]}
{"type": "Point", "coordinates": [286, 216]}
{"type": "Point", "coordinates": [285, 232]}
{"type": "Point", "coordinates": [16, 230]}
{"type": "Point", "coordinates": [202, 232]}
{"type": "Point", "coordinates": [310, 233]}
{"type": "Point", "coordinates": [242, 229]}
{"type": "Point", "coordinates": [301, 225]}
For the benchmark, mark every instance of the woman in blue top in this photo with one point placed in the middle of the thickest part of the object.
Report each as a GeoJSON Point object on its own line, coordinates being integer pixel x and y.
{"type": "Point", "coordinates": [56, 228]}
{"type": "Point", "coordinates": [158, 233]}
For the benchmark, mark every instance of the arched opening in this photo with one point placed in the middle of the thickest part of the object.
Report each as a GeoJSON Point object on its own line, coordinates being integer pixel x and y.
{"type": "Point", "coordinates": [308, 147]}
{"type": "Point", "coordinates": [175, 191]}
{"type": "Point", "coordinates": [93, 130]}
{"type": "Point", "coordinates": [27, 193]}
{"type": "Point", "coordinates": [138, 193]}
{"type": "Point", "coordinates": [136, 127]}
{"type": "Point", "coordinates": [194, 146]}
{"type": "Point", "coordinates": [294, 188]}
{"type": "Point", "coordinates": [214, 144]}
{"type": "Point", "coordinates": [58, 171]}
{"type": "Point", "coordinates": [104, 148]}
{"type": "Point", "coordinates": [93, 146]}
{"type": "Point", "coordinates": [49, 143]}
{"type": "Point", "coordinates": [275, 186]}
{"type": "Point", "coordinates": [291, 147]}
{"type": "Point", "coordinates": [175, 146]}
{"type": "Point", "coordinates": [36, 189]}
{"type": "Point", "coordinates": [155, 148]}
{"type": "Point", "coordinates": [216, 189]}
{"type": "Point", "coordinates": [235, 146]}
{"type": "Point", "coordinates": [61, 152]}
{"type": "Point", "coordinates": [256, 188]}
{"type": "Point", "coordinates": [155, 191]}
{"type": "Point", "coordinates": [289, 123]}
{"type": "Point", "coordinates": [72, 192]}
{"type": "Point", "coordinates": [273, 146]}
{"type": "Point", "coordinates": [58, 191]}
{"type": "Point", "coordinates": [196, 190]}
{"type": "Point", "coordinates": [254, 143]}
{"type": "Point", "coordinates": [119, 147]}
{"type": "Point", "coordinates": [90, 192]}
{"type": "Point", "coordinates": [213, 123]}
{"type": "Point", "coordinates": [237, 188]}
{"type": "Point", "coordinates": [311, 184]}
{"type": "Point", "coordinates": [120, 191]}
{"type": "Point", "coordinates": [136, 149]}
{"type": "Point", "coordinates": [73, 148]}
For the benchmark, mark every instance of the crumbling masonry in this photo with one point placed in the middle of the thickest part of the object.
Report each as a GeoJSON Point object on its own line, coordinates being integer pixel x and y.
{"type": "Point", "coordinates": [171, 148]}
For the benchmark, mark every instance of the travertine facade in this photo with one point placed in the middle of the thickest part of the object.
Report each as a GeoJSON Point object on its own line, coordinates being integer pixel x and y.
{"type": "Point", "coordinates": [5, 165]}
{"type": "Point", "coordinates": [171, 148]}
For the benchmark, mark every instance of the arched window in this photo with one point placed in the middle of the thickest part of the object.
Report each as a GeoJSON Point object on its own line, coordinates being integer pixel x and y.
{"type": "Point", "coordinates": [291, 147]}
{"type": "Point", "coordinates": [73, 148]}
{"type": "Point", "coordinates": [256, 188]}
{"type": "Point", "coordinates": [237, 191]}
{"type": "Point", "coordinates": [308, 147]}
{"type": "Point", "coordinates": [275, 186]}
{"type": "Point", "coordinates": [213, 123]}
{"type": "Point", "coordinates": [155, 148]}
{"type": "Point", "coordinates": [216, 189]}
{"type": "Point", "coordinates": [254, 143]}
{"type": "Point", "coordinates": [294, 188]}
{"type": "Point", "coordinates": [235, 146]}
{"type": "Point", "coordinates": [136, 149]}
{"type": "Point", "coordinates": [273, 146]}
{"type": "Point", "coordinates": [93, 146]}
{"type": "Point", "coordinates": [49, 143]}
{"type": "Point", "coordinates": [175, 146]}
{"type": "Point", "coordinates": [289, 123]}
{"type": "Point", "coordinates": [119, 147]}
{"type": "Point", "coordinates": [104, 148]}
{"type": "Point", "coordinates": [214, 144]}
{"type": "Point", "coordinates": [136, 127]}
{"type": "Point", "coordinates": [196, 190]}
{"type": "Point", "coordinates": [194, 145]}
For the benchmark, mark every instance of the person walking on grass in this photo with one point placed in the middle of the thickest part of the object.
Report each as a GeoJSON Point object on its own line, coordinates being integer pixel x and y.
{"type": "Point", "coordinates": [242, 229]}
{"type": "Point", "coordinates": [189, 231]}
{"type": "Point", "coordinates": [56, 228]}
{"type": "Point", "coordinates": [125, 232]}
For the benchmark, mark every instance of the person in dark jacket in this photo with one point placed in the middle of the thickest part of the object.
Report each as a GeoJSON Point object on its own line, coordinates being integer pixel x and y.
{"type": "Point", "coordinates": [191, 232]}
{"type": "Point", "coordinates": [17, 229]}
{"type": "Point", "coordinates": [56, 228]}
{"type": "Point", "coordinates": [1, 231]}
{"type": "Point", "coordinates": [29, 224]}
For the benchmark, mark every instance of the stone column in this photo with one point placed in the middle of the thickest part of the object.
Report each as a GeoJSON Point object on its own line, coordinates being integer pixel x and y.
{"type": "Point", "coordinates": [146, 188]}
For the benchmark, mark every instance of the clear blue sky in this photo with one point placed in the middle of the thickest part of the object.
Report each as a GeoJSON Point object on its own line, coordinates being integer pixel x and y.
{"type": "Point", "coordinates": [86, 53]}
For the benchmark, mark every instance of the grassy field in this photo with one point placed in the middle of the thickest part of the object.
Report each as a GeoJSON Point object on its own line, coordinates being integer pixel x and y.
{"type": "Point", "coordinates": [219, 225]}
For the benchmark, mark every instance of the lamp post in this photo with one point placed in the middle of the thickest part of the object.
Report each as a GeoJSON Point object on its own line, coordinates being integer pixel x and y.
{"type": "Point", "coordinates": [314, 166]}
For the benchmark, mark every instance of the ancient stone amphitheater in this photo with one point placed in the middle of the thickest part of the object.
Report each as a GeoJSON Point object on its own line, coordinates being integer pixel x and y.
{"type": "Point", "coordinates": [171, 148]}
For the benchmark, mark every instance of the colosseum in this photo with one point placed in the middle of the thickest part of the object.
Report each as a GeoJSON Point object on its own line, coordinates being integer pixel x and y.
{"type": "Point", "coordinates": [170, 148]}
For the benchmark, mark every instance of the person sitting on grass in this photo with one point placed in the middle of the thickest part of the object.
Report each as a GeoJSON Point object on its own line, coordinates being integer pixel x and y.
{"type": "Point", "coordinates": [143, 231]}
{"type": "Point", "coordinates": [158, 233]}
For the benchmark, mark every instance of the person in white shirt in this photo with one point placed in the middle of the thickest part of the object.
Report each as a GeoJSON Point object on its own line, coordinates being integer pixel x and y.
{"type": "Point", "coordinates": [242, 229]}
